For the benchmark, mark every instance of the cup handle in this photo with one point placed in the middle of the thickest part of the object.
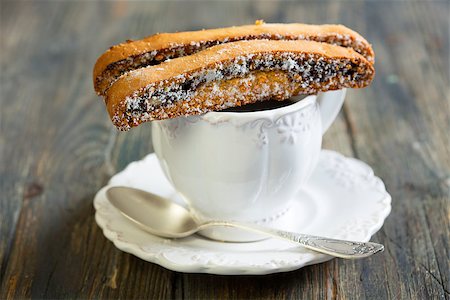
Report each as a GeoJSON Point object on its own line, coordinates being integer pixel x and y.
{"type": "Point", "coordinates": [330, 104]}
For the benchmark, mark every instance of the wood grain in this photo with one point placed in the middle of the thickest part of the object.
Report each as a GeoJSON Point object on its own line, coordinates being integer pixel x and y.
{"type": "Point", "coordinates": [57, 148]}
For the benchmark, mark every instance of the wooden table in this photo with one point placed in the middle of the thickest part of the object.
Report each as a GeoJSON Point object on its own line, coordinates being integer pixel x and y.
{"type": "Point", "coordinates": [58, 148]}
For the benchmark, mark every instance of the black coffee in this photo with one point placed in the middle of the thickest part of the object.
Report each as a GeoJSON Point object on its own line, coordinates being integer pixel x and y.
{"type": "Point", "coordinates": [262, 105]}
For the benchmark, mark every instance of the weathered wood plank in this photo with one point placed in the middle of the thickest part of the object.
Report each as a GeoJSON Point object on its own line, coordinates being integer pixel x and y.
{"type": "Point", "coordinates": [57, 147]}
{"type": "Point", "coordinates": [62, 153]}
{"type": "Point", "coordinates": [401, 129]}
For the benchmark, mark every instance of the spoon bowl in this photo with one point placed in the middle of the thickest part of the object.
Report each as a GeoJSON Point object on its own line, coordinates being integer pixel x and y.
{"type": "Point", "coordinates": [152, 213]}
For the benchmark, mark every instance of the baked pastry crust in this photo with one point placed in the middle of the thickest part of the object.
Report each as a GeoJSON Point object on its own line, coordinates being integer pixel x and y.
{"type": "Point", "coordinates": [233, 74]}
{"type": "Point", "coordinates": [154, 49]}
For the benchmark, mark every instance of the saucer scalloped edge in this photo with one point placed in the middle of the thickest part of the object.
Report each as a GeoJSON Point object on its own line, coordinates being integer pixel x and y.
{"type": "Point", "coordinates": [343, 199]}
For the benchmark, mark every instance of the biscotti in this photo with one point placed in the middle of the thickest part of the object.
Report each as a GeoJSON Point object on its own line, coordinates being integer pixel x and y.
{"type": "Point", "coordinates": [157, 48]}
{"type": "Point", "coordinates": [233, 74]}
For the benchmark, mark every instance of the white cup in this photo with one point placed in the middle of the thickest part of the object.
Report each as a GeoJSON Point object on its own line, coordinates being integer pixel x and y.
{"type": "Point", "coordinates": [244, 166]}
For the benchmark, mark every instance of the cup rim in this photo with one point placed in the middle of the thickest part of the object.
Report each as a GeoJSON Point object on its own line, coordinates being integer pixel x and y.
{"type": "Point", "coordinates": [300, 104]}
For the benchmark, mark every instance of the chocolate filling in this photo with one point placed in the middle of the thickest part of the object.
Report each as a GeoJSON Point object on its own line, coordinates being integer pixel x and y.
{"type": "Point", "coordinates": [312, 72]}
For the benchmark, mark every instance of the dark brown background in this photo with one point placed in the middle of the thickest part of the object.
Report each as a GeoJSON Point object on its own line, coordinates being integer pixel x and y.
{"type": "Point", "coordinates": [58, 148]}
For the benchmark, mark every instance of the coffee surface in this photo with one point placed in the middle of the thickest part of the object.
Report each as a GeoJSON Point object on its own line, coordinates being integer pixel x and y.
{"type": "Point", "coordinates": [260, 106]}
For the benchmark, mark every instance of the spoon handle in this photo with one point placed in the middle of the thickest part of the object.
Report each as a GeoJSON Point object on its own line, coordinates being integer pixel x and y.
{"type": "Point", "coordinates": [333, 247]}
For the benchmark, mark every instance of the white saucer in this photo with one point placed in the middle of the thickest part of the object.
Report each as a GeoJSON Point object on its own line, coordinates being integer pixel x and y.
{"type": "Point", "coordinates": [343, 200]}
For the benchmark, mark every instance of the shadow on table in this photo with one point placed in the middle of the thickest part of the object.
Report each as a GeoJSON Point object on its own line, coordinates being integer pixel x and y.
{"type": "Point", "coordinates": [294, 284]}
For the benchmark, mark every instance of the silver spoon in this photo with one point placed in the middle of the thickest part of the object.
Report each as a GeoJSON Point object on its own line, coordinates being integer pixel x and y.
{"type": "Point", "coordinates": [162, 217]}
